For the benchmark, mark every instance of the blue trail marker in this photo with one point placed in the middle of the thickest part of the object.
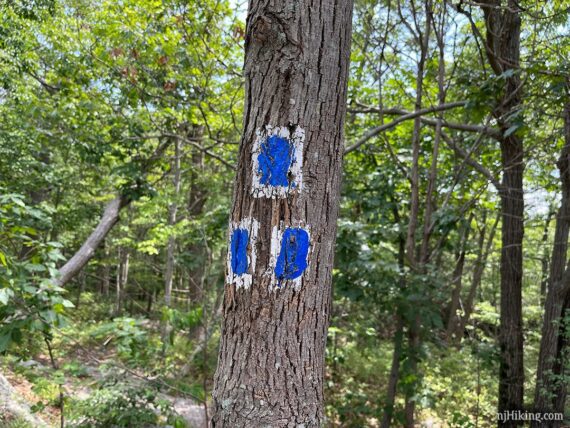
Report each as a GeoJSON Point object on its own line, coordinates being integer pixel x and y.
{"type": "Point", "coordinates": [240, 240]}
{"type": "Point", "coordinates": [274, 160]}
{"type": "Point", "coordinates": [292, 260]}
{"type": "Point", "coordinates": [242, 252]}
{"type": "Point", "coordinates": [277, 161]}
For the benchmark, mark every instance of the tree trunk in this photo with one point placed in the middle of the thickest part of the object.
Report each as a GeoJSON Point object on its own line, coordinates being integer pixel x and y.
{"type": "Point", "coordinates": [478, 271]}
{"type": "Point", "coordinates": [110, 217]}
{"type": "Point", "coordinates": [503, 51]}
{"type": "Point", "coordinates": [122, 276]}
{"type": "Point", "coordinates": [197, 196]}
{"type": "Point", "coordinates": [457, 281]}
{"type": "Point", "coordinates": [511, 334]}
{"type": "Point", "coordinates": [392, 388]}
{"type": "Point", "coordinates": [105, 272]}
{"type": "Point", "coordinates": [545, 257]}
{"type": "Point", "coordinates": [394, 374]}
{"type": "Point", "coordinates": [172, 210]}
{"type": "Point", "coordinates": [283, 221]}
{"type": "Point", "coordinates": [82, 285]}
{"type": "Point", "coordinates": [414, 328]}
{"type": "Point", "coordinates": [553, 342]}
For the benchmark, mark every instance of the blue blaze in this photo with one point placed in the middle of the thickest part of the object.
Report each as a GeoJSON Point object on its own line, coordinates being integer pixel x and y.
{"type": "Point", "coordinates": [292, 260]}
{"type": "Point", "coordinates": [240, 239]}
{"type": "Point", "coordinates": [275, 159]}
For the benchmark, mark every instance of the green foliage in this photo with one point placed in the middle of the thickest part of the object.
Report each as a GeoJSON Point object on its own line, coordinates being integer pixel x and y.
{"type": "Point", "coordinates": [128, 335]}
{"type": "Point", "coordinates": [29, 300]}
{"type": "Point", "coordinates": [121, 405]}
{"type": "Point", "coordinates": [93, 97]}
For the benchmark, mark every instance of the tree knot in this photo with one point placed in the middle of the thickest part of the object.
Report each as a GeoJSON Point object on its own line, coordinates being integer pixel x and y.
{"type": "Point", "coordinates": [261, 28]}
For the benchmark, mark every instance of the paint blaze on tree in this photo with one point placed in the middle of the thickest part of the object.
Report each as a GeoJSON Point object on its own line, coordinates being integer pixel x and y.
{"type": "Point", "coordinates": [283, 220]}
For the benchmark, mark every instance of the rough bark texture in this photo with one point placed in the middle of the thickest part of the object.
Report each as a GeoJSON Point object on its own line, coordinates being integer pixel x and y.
{"type": "Point", "coordinates": [271, 360]}
{"type": "Point", "coordinates": [503, 51]}
{"type": "Point", "coordinates": [550, 365]}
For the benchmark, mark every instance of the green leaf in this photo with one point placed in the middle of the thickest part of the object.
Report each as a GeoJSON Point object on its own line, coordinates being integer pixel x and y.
{"type": "Point", "coordinates": [5, 340]}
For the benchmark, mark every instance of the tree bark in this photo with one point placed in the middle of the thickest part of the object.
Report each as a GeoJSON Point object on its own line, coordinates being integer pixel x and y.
{"type": "Point", "coordinates": [104, 271]}
{"type": "Point", "coordinates": [271, 360]}
{"type": "Point", "coordinates": [503, 26]}
{"type": "Point", "coordinates": [553, 342]}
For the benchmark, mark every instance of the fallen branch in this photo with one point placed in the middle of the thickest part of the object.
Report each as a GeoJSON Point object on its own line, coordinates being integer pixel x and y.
{"type": "Point", "coordinates": [87, 250]}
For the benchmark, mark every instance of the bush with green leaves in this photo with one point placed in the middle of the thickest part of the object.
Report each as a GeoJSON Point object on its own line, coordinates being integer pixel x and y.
{"type": "Point", "coordinates": [129, 336]}
{"type": "Point", "coordinates": [29, 299]}
{"type": "Point", "coordinates": [122, 405]}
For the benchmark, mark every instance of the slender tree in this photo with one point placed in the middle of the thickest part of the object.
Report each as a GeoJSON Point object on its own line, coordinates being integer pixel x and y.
{"type": "Point", "coordinates": [172, 212]}
{"type": "Point", "coordinates": [550, 390]}
{"type": "Point", "coordinates": [283, 220]}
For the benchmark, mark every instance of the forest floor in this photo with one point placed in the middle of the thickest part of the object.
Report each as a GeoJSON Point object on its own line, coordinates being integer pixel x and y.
{"type": "Point", "coordinates": [31, 399]}
{"type": "Point", "coordinates": [103, 367]}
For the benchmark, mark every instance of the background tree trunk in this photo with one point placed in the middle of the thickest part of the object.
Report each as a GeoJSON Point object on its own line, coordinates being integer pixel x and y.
{"type": "Point", "coordinates": [172, 211]}
{"type": "Point", "coordinates": [548, 394]}
{"type": "Point", "coordinates": [121, 282]}
{"type": "Point", "coordinates": [271, 360]}
{"type": "Point", "coordinates": [457, 282]}
{"type": "Point", "coordinates": [197, 196]}
{"type": "Point", "coordinates": [422, 38]}
{"type": "Point", "coordinates": [394, 377]}
{"type": "Point", "coordinates": [545, 256]}
{"type": "Point", "coordinates": [478, 270]}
